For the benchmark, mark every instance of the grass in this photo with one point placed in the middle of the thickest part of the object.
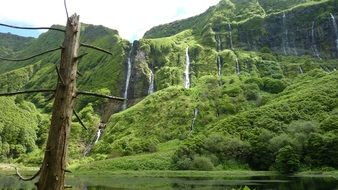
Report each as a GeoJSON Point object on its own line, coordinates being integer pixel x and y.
{"type": "Point", "coordinates": [169, 173]}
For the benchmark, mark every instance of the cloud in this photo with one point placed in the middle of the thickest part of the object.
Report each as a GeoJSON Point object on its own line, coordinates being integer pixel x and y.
{"type": "Point", "coordinates": [130, 17]}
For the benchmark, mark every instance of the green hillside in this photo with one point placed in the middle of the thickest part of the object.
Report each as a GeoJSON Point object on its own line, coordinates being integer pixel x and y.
{"type": "Point", "coordinates": [262, 96]}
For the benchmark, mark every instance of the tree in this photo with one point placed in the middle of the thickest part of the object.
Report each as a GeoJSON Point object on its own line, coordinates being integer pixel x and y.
{"type": "Point", "coordinates": [287, 160]}
{"type": "Point", "coordinates": [53, 169]}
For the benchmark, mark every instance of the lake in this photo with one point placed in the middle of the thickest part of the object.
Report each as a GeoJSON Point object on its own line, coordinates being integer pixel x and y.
{"type": "Point", "coordinates": [116, 182]}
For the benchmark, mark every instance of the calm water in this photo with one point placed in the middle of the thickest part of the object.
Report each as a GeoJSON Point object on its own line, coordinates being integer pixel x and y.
{"type": "Point", "coordinates": [175, 183]}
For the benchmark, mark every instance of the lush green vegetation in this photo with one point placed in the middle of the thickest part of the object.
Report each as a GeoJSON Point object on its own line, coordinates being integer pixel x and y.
{"type": "Point", "coordinates": [279, 112]}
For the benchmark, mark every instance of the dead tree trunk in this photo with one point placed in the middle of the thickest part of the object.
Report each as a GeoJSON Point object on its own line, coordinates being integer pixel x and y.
{"type": "Point", "coordinates": [54, 164]}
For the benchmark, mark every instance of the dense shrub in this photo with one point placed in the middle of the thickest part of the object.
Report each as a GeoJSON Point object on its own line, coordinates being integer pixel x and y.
{"type": "Point", "coordinates": [287, 160]}
{"type": "Point", "coordinates": [202, 163]}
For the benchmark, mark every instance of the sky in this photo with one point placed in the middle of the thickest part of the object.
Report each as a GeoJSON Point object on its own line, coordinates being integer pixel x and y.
{"type": "Point", "coordinates": [132, 18]}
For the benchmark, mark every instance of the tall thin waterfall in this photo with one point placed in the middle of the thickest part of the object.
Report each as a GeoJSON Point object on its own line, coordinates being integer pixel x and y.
{"type": "Point", "coordinates": [314, 44]}
{"type": "Point", "coordinates": [300, 69]}
{"type": "Point", "coordinates": [218, 43]}
{"type": "Point", "coordinates": [285, 40]}
{"type": "Point", "coordinates": [98, 135]}
{"type": "Point", "coordinates": [335, 27]}
{"type": "Point", "coordinates": [230, 36]}
{"type": "Point", "coordinates": [219, 48]}
{"type": "Point", "coordinates": [124, 106]}
{"type": "Point", "coordinates": [151, 83]}
{"type": "Point", "coordinates": [194, 119]}
{"type": "Point", "coordinates": [238, 69]}
{"type": "Point", "coordinates": [187, 69]}
{"type": "Point", "coordinates": [219, 66]}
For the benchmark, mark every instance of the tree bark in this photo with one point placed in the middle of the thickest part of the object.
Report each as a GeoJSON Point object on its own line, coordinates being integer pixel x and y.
{"type": "Point", "coordinates": [54, 164]}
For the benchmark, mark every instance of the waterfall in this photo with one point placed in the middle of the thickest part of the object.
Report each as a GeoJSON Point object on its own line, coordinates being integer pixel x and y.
{"type": "Point", "coordinates": [300, 69]}
{"type": "Point", "coordinates": [186, 71]}
{"type": "Point", "coordinates": [335, 27]}
{"type": "Point", "coordinates": [98, 135]}
{"type": "Point", "coordinates": [96, 138]}
{"type": "Point", "coordinates": [151, 83]}
{"type": "Point", "coordinates": [219, 66]}
{"type": "Point", "coordinates": [230, 36]}
{"type": "Point", "coordinates": [238, 69]}
{"type": "Point", "coordinates": [194, 119]}
{"type": "Point", "coordinates": [124, 106]}
{"type": "Point", "coordinates": [219, 48]}
{"type": "Point", "coordinates": [285, 40]}
{"type": "Point", "coordinates": [218, 43]}
{"type": "Point", "coordinates": [314, 44]}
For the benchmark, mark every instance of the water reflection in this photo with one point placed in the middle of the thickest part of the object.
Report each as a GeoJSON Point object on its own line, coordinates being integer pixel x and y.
{"type": "Point", "coordinates": [175, 183]}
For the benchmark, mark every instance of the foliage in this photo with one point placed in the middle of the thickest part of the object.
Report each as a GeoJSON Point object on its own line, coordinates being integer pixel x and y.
{"type": "Point", "coordinates": [279, 112]}
{"type": "Point", "coordinates": [287, 160]}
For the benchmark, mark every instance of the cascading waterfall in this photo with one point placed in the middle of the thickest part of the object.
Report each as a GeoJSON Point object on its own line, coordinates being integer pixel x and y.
{"type": "Point", "coordinates": [314, 44]}
{"type": "Point", "coordinates": [151, 83]}
{"type": "Point", "coordinates": [300, 69]}
{"type": "Point", "coordinates": [96, 138]}
{"type": "Point", "coordinates": [238, 69]}
{"type": "Point", "coordinates": [187, 69]}
{"type": "Point", "coordinates": [194, 119]}
{"type": "Point", "coordinates": [285, 40]}
{"type": "Point", "coordinates": [218, 43]}
{"type": "Point", "coordinates": [219, 48]}
{"type": "Point", "coordinates": [219, 66]}
{"type": "Point", "coordinates": [335, 27]}
{"type": "Point", "coordinates": [230, 36]}
{"type": "Point", "coordinates": [124, 106]}
{"type": "Point", "coordinates": [98, 135]}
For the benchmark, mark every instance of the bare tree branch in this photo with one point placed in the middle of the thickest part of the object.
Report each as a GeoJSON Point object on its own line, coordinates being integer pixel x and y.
{"type": "Point", "coordinates": [101, 96]}
{"type": "Point", "coordinates": [81, 56]}
{"type": "Point", "coordinates": [59, 75]}
{"type": "Point", "coordinates": [96, 48]}
{"type": "Point", "coordinates": [68, 187]}
{"type": "Point", "coordinates": [26, 179]}
{"type": "Point", "coordinates": [78, 73]}
{"type": "Point", "coordinates": [67, 171]}
{"type": "Point", "coordinates": [65, 3]}
{"type": "Point", "coordinates": [50, 98]}
{"type": "Point", "coordinates": [28, 58]}
{"type": "Point", "coordinates": [25, 92]}
{"type": "Point", "coordinates": [79, 119]}
{"type": "Point", "coordinates": [32, 28]}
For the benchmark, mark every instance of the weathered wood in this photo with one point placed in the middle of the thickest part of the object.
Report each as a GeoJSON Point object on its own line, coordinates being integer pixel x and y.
{"type": "Point", "coordinates": [96, 48]}
{"type": "Point", "coordinates": [32, 28]}
{"type": "Point", "coordinates": [52, 171]}
{"type": "Point", "coordinates": [26, 179]}
{"type": "Point", "coordinates": [26, 92]}
{"type": "Point", "coordinates": [79, 119]}
{"type": "Point", "coordinates": [100, 96]}
{"type": "Point", "coordinates": [31, 57]}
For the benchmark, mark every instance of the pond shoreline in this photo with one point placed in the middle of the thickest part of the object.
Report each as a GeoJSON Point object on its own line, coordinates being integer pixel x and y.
{"type": "Point", "coordinates": [9, 169]}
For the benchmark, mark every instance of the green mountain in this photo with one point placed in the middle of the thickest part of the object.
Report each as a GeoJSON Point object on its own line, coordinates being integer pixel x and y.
{"type": "Point", "coordinates": [10, 44]}
{"type": "Point", "coordinates": [246, 84]}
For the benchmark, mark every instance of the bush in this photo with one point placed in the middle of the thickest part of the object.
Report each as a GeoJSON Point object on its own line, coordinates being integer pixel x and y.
{"type": "Point", "coordinates": [287, 160]}
{"type": "Point", "coordinates": [273, 85]}
{"type": "Point", "coordinates": [202, 163]}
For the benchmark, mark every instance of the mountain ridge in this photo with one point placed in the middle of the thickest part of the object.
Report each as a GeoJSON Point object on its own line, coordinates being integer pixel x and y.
{"type": "Point", "coordinates": [254, 82]}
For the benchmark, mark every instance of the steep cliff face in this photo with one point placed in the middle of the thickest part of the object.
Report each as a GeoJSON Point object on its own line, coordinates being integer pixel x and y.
{"type": "Point", "coordinates": [304, 30]}
{"type": "Point", "coordinates": [241, 57]}
{"type": "Point", "coordinates": [287, 28]}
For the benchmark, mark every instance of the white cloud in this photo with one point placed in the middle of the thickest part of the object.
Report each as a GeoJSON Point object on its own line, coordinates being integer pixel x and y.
{"type": "Point", "coordinates": [130, 17]}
